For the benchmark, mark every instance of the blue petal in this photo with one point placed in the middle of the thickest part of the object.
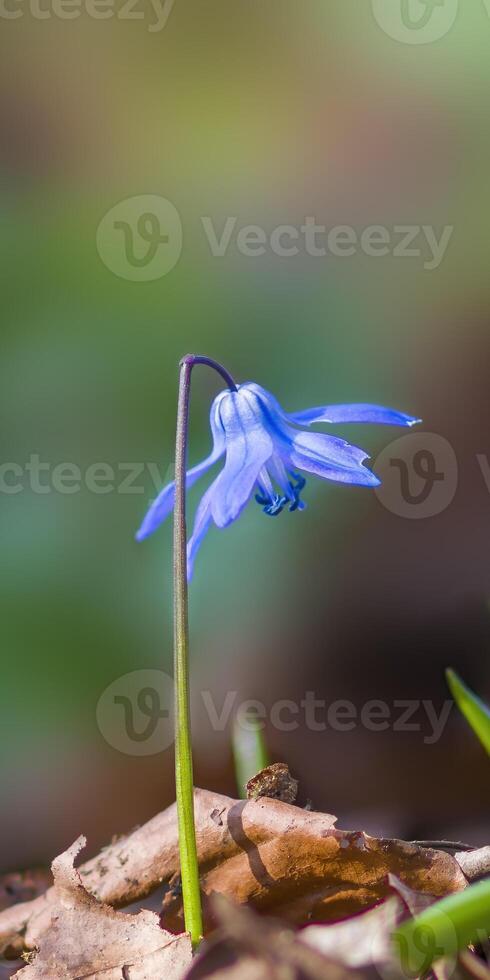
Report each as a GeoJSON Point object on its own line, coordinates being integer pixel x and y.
{"type": "Point", "coordinates": [278, 473]}
{"type": "Point", "coordinates": [352, 413]}
{"type": "Point", "coordinates": [164, 503]}
{"type": "Point", "coordinates": [248, 447]}
{"type": "Point", "coordinates": [325, 456]}
{"type": "Point", "coordinates": [362, 412]}
{"type": "Point", "coordinates": [328, 458]}
{"type": "Point", "coordinates": [202, 522]}
{"type": "Point", "coordinates": [273, 414]}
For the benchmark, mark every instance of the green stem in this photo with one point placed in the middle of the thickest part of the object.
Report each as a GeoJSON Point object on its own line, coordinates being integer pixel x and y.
{"type": "Point", "coordinates": [184, 780]}
{"type": "Point", "coordinates": [249, 752]}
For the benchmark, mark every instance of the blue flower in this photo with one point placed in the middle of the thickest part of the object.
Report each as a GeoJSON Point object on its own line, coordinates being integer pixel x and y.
{"type": "Point", "coordinates": [264, 448]}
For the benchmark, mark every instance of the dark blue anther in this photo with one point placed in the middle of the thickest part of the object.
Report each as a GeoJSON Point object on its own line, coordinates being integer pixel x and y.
{"type": "Point", "coordinates": [300, 483]}
{"type": "Point", "coordinates": [300, 480]}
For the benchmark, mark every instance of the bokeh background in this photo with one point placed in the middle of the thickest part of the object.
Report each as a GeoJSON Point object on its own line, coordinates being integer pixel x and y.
{"type": "Point", "coordinates": [267, 111]}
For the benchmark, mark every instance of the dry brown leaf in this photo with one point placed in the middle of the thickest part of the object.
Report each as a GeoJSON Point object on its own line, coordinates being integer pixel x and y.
{"type": "Point", "coordinates": [475, 864]}
{"type": "Point", "coordinates": [276, 857]}
{"type": "Point", "coordinates": [247, 947]}
{"type": "Point", "coordinates": [362, 940]}
{"type": "Point", "coordinates": [88, 939]}
{"type": "Point", "coordinates": [414, 901]}
{"type": "Point", "coordinates": [295, 864]}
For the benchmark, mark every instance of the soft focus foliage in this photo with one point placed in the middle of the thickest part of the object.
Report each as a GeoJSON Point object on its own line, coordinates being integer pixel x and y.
{"type": "Point", "coordinates": [474, 710]}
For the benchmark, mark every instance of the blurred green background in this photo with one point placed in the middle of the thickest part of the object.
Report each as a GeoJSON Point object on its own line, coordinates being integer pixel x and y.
{"type": "Point", "coordinates": [270, 112]}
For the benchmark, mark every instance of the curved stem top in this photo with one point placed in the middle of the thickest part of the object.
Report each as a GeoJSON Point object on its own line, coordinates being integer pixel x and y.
{"type": "Point", "coordinates": [192, 359]}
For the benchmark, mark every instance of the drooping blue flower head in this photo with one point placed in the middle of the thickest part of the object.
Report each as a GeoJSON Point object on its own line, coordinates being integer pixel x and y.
{"type": "Point", "coordinates": [265, 451]}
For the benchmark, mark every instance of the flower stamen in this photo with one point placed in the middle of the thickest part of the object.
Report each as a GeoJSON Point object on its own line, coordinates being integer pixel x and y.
{"type": "Point", "coordinates": [276, 505]}
{"type": "Point", "coordinates": [273, 503]}
{"type": "Point", "coordinates": [300, 483]}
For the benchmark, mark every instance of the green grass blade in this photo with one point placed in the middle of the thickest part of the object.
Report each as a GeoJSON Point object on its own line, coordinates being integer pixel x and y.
{"type": "Point", "coordinates": [477, 713]}
{"type": "Point", "coordinates": [249, 752]}
{"type": "Point", "coordinates": [444, 928]}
